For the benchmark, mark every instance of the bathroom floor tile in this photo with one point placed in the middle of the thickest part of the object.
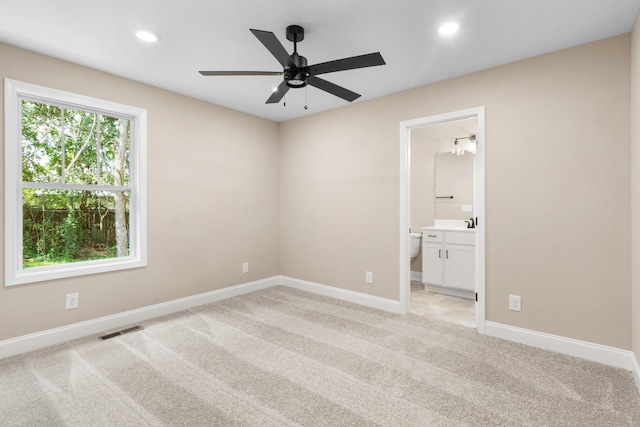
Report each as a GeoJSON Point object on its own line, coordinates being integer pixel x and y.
{"type": "Point", "coordinates": [445, 307]}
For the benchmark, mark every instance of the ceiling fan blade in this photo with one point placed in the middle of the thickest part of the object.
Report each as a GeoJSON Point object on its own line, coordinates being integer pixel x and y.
{"type": "Point", "coordinates": [241, 73]}
{"type": "Point", "coordinates": [273, 45]}
{"type": "Point", "coordinates": [332, 88]}
{"type": "Point", "coordinates": [361, 61]}
{"type": "Point", "coordinates": [278, 94]}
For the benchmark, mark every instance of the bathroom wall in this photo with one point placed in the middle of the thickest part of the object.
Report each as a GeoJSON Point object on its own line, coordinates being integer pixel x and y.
{"type": "Point", "coordinates": [557, 190]}
{"type": "Point", "coordinates": [454, 177]}
{"type": "Point", "coordinates": [422, 190]}
{"type": "Point", "coordinates": [212, 201]}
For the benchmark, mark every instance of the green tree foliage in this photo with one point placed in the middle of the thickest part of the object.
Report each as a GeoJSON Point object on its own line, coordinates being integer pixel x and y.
{"type": "Point", "coordinates": [41, 135]}
{"type": "Point", "coordinates": [62, 146]}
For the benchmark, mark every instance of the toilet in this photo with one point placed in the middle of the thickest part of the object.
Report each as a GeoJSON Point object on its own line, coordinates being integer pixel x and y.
{"type": "Point", "coordinates": [414, 245]}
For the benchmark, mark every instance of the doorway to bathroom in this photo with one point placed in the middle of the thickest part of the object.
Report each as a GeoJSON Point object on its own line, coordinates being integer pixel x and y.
{"type": "Point", "coordinates": [443, 154]}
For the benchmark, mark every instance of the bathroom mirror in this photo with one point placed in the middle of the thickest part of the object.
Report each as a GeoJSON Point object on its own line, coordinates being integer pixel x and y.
{"type": "Point", "coordinates": [454, 185]}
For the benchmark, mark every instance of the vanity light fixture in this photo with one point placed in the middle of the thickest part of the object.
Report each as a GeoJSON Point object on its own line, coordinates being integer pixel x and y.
{"type": "Point", "coordinates": [147, 36]}
{"type": "Point", "coordinates": [456, 147]}
{"type": "Point", "coordinates": [471, 145]}
{"type": "Point", "coordinates": [449, 28]}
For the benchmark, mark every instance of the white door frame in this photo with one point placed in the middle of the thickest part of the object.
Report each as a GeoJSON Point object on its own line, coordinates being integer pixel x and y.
{"type": "Point", "coordinates": [478, 205]}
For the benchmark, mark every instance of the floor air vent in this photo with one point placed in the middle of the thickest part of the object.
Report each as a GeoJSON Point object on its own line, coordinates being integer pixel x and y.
{"type": "Point", "coordinates": [122, 332]}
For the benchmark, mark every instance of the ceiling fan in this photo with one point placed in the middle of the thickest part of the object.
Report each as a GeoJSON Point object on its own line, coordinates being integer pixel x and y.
{"type": "Point", "coordinates": [296, 72]}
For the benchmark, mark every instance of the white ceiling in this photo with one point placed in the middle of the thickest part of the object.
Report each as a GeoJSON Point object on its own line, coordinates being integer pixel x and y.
{"type": "Point", "coordinates": [214, 35]}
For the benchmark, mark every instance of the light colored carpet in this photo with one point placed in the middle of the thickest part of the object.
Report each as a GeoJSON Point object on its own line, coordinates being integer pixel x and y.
{"type": "Point", "coordinates": [283, 357]}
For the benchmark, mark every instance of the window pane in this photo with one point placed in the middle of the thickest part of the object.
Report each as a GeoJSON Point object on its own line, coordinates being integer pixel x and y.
{"type": "Point", "coordinates": [70, 226]}
{"type": "Point", "coordinates": [80, 147]}
{"type": "Point", "coordinates": [56, 208]}
{"type": "Point", "coordinates": [114, 151]}
{"type": "Point", "coordinates": [41, 142]}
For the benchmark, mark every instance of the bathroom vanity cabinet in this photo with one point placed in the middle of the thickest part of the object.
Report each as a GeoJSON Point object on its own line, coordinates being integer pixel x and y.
{"type": "Point", "coordinates": [448, 258]}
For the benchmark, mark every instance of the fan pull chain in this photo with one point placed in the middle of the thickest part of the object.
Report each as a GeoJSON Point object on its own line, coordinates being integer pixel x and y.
{"type": "Point", "coordinates": [284, 104]}
{"type": "Point", "coordinates": [305, 98]}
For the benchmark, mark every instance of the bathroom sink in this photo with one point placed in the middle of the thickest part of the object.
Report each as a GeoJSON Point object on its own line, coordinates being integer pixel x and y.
{"type": "Point", "coordinates": [449, 228]}
{"type": "Point", "coordinates": [450, 224]}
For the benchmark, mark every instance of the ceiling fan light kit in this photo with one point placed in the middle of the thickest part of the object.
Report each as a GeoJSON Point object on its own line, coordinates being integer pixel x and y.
{"type": "Point", "coordinates": [296, 73]}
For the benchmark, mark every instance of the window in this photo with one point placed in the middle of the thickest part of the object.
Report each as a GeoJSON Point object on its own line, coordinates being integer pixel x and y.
{"type": "Point", "coordinates": [75, 184]}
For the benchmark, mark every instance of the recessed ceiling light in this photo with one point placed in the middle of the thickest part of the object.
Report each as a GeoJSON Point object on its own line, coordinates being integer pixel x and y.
{"type": "Point", "coordinates": [147, 36]}
{"type": "Point", "coordinates": [448, 28]}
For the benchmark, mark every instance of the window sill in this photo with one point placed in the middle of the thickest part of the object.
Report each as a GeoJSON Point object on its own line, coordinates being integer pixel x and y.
{"type": "Point", "coordinates": [40, 274]}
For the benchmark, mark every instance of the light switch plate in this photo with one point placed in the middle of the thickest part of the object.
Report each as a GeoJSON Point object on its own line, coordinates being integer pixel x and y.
{"type": "Point", "coordinates": [369, 277]}
{"type": "Point", "coordinates": [515, 303]}
{"type": "Point", "coordinates": [72, 301]}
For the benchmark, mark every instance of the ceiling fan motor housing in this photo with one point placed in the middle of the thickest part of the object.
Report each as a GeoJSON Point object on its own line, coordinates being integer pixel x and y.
{"type": "Point", "coordinates": [296, 77]}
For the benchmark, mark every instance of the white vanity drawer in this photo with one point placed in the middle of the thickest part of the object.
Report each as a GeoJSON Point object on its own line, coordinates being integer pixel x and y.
{"type": "Point", "coordinates": [461, 238]}
{"type": "Point", "coordinates": [432, 236]}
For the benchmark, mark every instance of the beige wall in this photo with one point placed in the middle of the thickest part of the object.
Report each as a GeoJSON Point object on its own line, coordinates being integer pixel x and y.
{"type": "Point", "coordinates": [557, 190]}
{"type": "Point", "coordinates": [635, 184]}
{"type": "Point", "coordinates": [212, 201]}
{"type": "Point", "coordinates": [317, 198]}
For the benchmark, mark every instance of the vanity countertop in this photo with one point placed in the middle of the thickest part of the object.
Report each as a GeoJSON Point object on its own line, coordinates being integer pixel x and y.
{"type": "Point", "coordinates": [445, 228]}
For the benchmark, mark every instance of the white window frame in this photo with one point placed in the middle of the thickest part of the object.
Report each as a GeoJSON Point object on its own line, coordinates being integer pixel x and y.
{"type": "Point", "coordinates": [16, 91]}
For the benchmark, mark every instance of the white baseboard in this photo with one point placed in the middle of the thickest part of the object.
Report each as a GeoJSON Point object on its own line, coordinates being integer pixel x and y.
{"type": "Point", "coordinates": [416, 276]}
{"type": "Point", "coordinates": [451, 291]}
{"type": "Point", "coordinates": [50, 337]}
{"type": "Point", "coordinates": [595, 352]}
{"type": "Point", "coordinates": [606, 355]}
{"type": "Point", "coordinates": [385, 304]}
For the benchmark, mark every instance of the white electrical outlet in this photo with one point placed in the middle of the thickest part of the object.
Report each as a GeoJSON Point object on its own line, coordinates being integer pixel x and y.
{"type": "Point", "coordinates": [245, 268]}
{"type": "Point", "coordinates": [369, 277]}
{"type": "Point", "coordinates": [72, 301]}
{"type": "Point", "coordinates": [515, 303]}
